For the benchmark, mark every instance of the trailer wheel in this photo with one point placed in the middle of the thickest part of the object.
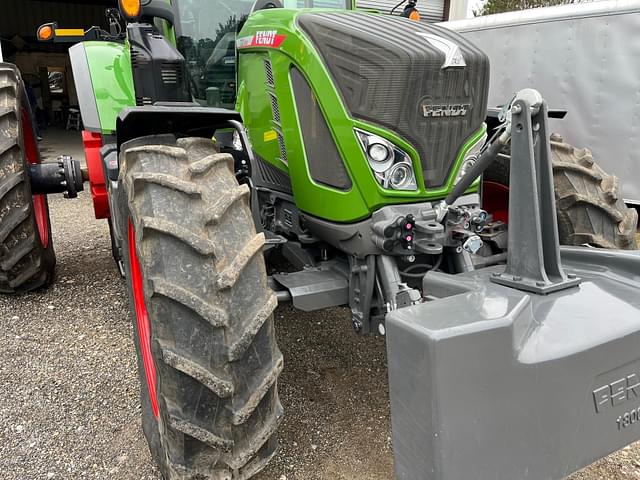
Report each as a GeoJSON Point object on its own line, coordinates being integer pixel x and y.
{"type": "Point", "coordinates": [202, 310]}
{"type": "Point", "coordinates": [588, 202]}
{"type": "Point", "coordinates": [27, 259]}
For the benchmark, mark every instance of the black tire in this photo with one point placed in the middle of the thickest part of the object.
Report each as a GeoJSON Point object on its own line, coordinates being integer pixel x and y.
{"type": "Point", "coordinates": [25, 263]}
{"type": "Point", "coordinates": [210, 310]}
{"type": "Point", "coordinates": [588, 202]}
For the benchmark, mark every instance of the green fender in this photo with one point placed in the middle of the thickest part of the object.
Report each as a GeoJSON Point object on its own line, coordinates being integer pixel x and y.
{"type": "Point", "coordinates": [104, 83]}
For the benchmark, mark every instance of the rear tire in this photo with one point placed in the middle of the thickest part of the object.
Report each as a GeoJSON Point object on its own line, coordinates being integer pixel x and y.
{"type": "Point", "coordinates": [212, 338]}
{"type": "Point", "coordinates": [588, 202]}
{"type": "Point", "coordinates": [27, 261]}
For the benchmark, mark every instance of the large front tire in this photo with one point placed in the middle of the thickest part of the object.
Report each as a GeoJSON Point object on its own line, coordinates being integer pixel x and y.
{"type": "Point", "coordinates": [589, 206]}
{"type": "Point", "coordinates": [27, 259]}
{"type": "Point", "coordinates": [202, 309]}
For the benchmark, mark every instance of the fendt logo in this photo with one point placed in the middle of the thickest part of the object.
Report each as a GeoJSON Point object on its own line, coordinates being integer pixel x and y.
{"type": "Point", "coordinates": [455, 110]}
{"type": "Point", "coordinates": [616, 393]}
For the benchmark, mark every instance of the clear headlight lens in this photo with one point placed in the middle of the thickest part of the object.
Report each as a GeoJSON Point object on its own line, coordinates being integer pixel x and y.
{"type": "Point", "coordinates": [391, 166]}
{"type": "Point", "coordinates": [471, 158]}
{"type": "Point", "coordinates": [379, 152]}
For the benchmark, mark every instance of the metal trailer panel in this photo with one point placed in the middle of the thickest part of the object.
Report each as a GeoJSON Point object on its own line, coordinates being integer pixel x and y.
{"type": "Point", "coordinates": [430, 11]}
{"type": "Point", "coordinates": [583, 58]}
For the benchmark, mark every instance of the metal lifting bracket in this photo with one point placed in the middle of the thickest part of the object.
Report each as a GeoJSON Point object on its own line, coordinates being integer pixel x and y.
{"type": "Point", "coordinates": [533, 254]}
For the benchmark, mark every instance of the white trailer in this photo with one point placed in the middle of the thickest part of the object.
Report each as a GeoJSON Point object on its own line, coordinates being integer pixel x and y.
{"type": "Point", "coordinates": [585, 59]}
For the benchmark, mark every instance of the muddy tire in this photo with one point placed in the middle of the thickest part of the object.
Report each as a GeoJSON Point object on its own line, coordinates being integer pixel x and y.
{"type": "Point", "coordinates": [207, 353]}
{"type": "Point", "coordinates": [27, 259]}
{"type": "Point", "coordinates": [588, 202]}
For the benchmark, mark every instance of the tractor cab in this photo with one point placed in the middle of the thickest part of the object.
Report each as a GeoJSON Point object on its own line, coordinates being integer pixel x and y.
{"type": "Point", "coordinates": [206, 33]}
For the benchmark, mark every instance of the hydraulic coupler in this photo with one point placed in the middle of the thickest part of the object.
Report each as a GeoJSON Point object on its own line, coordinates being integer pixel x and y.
{"type": "Point", "coordinates": [63, 176]}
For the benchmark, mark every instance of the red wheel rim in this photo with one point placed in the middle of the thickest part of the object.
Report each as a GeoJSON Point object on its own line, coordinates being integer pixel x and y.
{"type": "Point", "coordinates": [41, 212]}
{"type": "Point", "coordinates": [142, 320]}
{"type": "Point", "coordinates": [42, 219]}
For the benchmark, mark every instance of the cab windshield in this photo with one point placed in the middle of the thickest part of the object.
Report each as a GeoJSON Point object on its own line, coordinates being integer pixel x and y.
{"type": "Point", "coordinates": [206, 36]}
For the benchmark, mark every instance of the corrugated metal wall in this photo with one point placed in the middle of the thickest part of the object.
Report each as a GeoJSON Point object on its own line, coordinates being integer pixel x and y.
{"type": "Point", "coordinates": [430, 10]}
{"type": "Point", "coordinates": [23, 17]}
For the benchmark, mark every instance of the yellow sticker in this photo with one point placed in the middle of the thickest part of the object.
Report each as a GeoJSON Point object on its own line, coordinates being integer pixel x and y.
{"type": "Point", "coordinates": [69, 32]}
{"type": "Point", "coordinates": [270, 136]}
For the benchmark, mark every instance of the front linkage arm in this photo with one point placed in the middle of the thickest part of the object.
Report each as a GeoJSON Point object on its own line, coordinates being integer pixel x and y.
{"type": "Point", "coordinates": [533, 254]}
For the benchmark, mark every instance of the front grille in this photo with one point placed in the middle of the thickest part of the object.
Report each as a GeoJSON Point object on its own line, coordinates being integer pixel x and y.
{"type": "Point", "coordinates": [268, 71]}
{"type": "Point", "coordinates": [273, 177]}
{"type": "Point", "coordinates": [323, 157]}
{"type": "Point", "coordinates": [283, 148]}
{"type": "Point", "coordinates": [387, 71]}
{"type": "Point", "coordinates": [274, 107]}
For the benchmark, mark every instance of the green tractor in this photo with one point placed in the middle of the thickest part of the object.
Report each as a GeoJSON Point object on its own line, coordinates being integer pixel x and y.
{"type": "Point", "coordinates": [348, 174]}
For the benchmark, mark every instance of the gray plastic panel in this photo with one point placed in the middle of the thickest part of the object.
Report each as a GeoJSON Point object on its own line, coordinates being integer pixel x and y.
{"type": "Point", "coordinates": [492, 383]}
{"type": "Point", "coordinates": [84, 88]}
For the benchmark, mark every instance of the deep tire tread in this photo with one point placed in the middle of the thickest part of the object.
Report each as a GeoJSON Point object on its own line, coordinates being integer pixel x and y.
{"type": "Point", "coordinates": [201, 434]}
{"type": "Point", "coordinates": [230, 275]}
{"type": "Point", "coordinates": [589, 204]}
{"type": "Point", "coordinates": [13, 220]}
{"type": "Point", "coordinates": [25, 264]}
{"type": "Point", "coordinates": [214, 315]}
{"type": "Point", "coordinates": [16, 255]}
{"type": "Point", "coordinates": [241, 413]}
{"type": "Point", "coordinates": [195, 240]}
{"type": "Point", "coordinates": [210, 307]}
{"type": "Point", "coordinates": [224, 204]}
{"type": "Point", "coordinates": [221, 387]}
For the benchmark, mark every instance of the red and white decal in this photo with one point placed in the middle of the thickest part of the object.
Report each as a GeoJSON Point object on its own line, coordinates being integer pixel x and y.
{"type": "Point", "coordinates": [267, 38]}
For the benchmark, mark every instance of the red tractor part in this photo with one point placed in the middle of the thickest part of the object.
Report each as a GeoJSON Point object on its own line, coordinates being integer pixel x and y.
{"type": "Point", "coordinates": [92, 143]}
{"type": "Point", "coordinates": [495, 200]}
{"type": "Point", "coordinates": [142, 322]}
{"type": "Point", "coordinates": [39, 200]}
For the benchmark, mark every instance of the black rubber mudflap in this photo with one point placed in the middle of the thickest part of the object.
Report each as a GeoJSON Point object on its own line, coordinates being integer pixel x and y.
{"type": "Point", "coordinates": [25, 263]}
{"type": "Point", "coordinates": [210, 310]}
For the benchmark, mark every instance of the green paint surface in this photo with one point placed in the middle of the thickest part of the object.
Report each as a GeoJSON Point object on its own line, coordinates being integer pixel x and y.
{"type": "Point", "coordinates": [110, 69]}
{"type": "Point", "coordinates": [254, 103]}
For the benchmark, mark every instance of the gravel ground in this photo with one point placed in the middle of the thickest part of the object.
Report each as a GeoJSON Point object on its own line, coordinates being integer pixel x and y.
{"type": "Point", "coordinates": [69, 397]}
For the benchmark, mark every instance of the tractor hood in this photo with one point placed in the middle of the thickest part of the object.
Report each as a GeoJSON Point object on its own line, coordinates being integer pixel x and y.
{"type": "Point", "coordinates": [424, 82]}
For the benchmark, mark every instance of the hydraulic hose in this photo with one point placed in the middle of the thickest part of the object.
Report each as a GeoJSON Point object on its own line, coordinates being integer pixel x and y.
{"type": "Point", "coordinates": [485, 160]}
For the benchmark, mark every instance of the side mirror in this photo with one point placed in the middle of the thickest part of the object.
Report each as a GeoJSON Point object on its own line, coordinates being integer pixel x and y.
{"type": "Point", "coordinates": [265, 4]}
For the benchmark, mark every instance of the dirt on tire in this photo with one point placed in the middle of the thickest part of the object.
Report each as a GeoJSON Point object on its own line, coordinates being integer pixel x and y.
{"type": "Point", "coordinates": [589, 205]}
{"type": "Point", "coordinates": [26, 263]}
{"type": "Point", "coordinates": [210, 310]}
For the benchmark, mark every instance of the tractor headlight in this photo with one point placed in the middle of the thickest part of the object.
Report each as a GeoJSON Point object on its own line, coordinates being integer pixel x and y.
{"type": "Point", "coordinates": [391, 166]}
{"type": "Point", "coordinates": [400, 176]}
{"type": "Point", "coordinates": [379, 152]}
{"type": "Point", "coordinates": [471, 157]}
